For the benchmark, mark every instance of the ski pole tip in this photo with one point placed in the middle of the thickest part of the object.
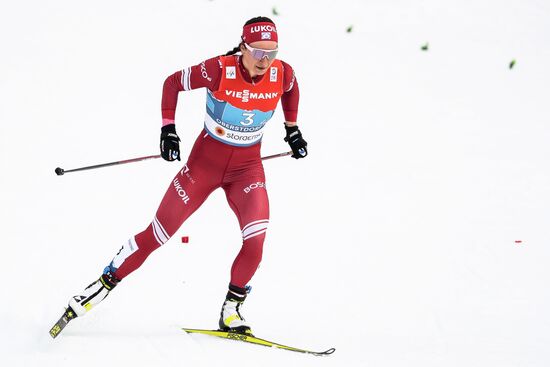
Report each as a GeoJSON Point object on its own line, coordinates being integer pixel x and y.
{"type": "Point", "coordinates": [59, 171]}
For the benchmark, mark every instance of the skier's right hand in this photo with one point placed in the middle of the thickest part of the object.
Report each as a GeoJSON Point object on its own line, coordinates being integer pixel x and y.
{"type": "Point", "coordinates": [169, 143]}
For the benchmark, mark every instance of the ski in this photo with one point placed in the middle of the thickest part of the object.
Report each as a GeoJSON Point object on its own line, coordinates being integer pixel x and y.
{"type": "Point", "coordinates": [254, 340]}
{"type": "Point", "coordinates": [67, 316]}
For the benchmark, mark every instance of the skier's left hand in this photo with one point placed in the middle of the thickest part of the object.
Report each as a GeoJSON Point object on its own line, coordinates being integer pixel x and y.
{"type": "Point", "coordinates": [296, 142]}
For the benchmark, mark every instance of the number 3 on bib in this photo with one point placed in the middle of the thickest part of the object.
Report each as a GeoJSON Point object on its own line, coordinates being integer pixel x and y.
{"type": "Point", "coordinates": [249, 117]}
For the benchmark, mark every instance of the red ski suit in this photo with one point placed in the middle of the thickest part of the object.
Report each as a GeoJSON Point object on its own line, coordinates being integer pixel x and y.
{"type": "Point", "coordinates": [226, 154]}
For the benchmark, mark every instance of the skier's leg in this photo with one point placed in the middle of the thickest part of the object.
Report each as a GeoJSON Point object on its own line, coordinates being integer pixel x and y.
{"type": "Point", "coordinates": [181, 200]}
{"type": "Point", "coordinates": [248, 199]}
{"type": "Point", "coordinates": [250, 202]}
{"type": "Point", "coordinates": [201, 175]}
{"type": "Point", "coordinates": [187, 191]}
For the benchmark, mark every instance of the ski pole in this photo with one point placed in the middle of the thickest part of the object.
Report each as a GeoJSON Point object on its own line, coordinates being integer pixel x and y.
{"type": "Point", "coordinates": [276, 155]}
{"type": "Point", "coordinates": [60, 171]}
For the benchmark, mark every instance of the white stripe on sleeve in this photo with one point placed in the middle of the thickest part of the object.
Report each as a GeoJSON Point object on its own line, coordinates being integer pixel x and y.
{"type": "Point", "coordinates": [186, 79]}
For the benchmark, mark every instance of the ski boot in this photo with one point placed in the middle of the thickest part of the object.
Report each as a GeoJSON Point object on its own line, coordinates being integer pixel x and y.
{"type": "Point", "coordinates": [83, 302]}
{"type": "Point", "coordinates": [93, 294]}
{"type": "Point", "coordinates": [230, 317]}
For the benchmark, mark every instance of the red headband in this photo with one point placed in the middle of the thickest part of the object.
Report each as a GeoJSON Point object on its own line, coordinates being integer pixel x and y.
{"type": "Point", "coordinates": [263, 31]}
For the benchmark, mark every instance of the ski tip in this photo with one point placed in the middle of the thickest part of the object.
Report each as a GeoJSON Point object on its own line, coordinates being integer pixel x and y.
{"type": "Point", "coordinates": [55, 330]}
{"type": "Point", "coordinates": [67, 316]}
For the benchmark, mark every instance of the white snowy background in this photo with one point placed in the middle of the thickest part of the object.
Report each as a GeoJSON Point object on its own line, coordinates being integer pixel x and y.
{"type": "Point", "coordinates": [394, 241]}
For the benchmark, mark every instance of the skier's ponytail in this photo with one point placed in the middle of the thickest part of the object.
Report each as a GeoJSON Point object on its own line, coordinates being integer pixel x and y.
{"type": "Point", "coordinates": [233, 51]}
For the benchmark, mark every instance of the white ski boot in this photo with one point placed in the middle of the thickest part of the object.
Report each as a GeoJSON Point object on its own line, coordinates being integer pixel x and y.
{"type": "Point", "coordinates": [93, 294]}
{"type": "Point", "coordinates": [231, 318]}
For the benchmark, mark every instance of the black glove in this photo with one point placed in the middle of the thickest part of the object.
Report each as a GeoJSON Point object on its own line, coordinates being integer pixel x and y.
{"type": "Point", "coordinates": [169, 143]}
{"type": "Point", "coordinates": [296, 142]}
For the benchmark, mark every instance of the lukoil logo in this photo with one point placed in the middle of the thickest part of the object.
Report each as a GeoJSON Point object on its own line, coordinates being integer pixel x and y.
{"type": "Point", "coordinates": [185, 172]}
{"type": "Point", "coordinates": [256, 185]}
{"type": "Point", "coordinates": [263, 28]}
{"type": "Point", "coordinates": [181, 192]}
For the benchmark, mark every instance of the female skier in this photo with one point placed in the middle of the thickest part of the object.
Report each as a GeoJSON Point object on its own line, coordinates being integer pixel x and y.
{"type": "Point", "coordinates": [243, 88]}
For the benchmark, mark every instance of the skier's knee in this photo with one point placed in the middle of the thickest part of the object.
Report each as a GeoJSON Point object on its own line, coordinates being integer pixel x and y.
{"type": "Point", "coordinates": [254, 229]}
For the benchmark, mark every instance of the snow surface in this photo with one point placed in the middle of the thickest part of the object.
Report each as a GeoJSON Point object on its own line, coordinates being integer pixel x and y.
{"type": "Point", "coordinates": [393, 242]}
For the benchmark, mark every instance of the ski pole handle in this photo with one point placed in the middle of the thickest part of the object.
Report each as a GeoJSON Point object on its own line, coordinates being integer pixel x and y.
{"type": "Point", "coordinates": [60, 171]}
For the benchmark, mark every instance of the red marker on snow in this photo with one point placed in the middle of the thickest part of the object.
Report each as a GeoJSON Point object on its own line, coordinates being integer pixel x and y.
{"type": "Point", "coordinates": [518, 241]}
{"type": "Point", "coordinates": [185, 239]}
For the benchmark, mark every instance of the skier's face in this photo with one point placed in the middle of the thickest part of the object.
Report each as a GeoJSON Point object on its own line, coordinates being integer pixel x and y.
{"type": "Point", "coordinates": [258, 56]}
